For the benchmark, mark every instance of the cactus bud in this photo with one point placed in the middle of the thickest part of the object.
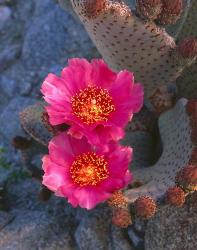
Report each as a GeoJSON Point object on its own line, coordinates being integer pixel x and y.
{"type": "Point", "coordinates": [92, 8]}
{"type": "Point", "coordinates": [191, 107]}
{"type": "Point", "coordinates": [187, 178]}
{"type": "Point", "coordinates": [186, 52]}
{"type": "Point", "coordinates": [21, 143]}
{"type": "Point", "coordinates": [188, 48]}
{"type": "Point", "coordinates": [175, 196]}
{"type": "Point", "coordinates": [145, 207]}
{"type": "Point", "coordinates": [149, 9]}
{"type": "Point", "coordinates": [118, 200]}
{"type": "Point", "coordinates": [171, 11]}
{"type": "Point", "coordinates": [121, 217]}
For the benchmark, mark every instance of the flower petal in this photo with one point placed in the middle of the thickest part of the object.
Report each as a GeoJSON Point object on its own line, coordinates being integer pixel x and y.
{"type": "Point", "coordinates": [89, 197]}
{"type": "Point", "coordinates": [55, 175]}
{"type": "Point", "coordinates": [102, 75]}
{"type": "Point", "coordinates": [63, 148]}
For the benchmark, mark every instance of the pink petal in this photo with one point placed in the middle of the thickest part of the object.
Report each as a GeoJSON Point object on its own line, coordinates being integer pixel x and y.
{"type": "Point", "coordinates": [119, 161]}
{"type": "Point", "coordinates": [64, 148]}
{"type": "Point", "coordinates": [137, 97]}
{"type": "Point", "coordinates": [67, 191]}
{"type": "Point", "coordinates": [55, 117]}
{"type": "Point", "coordinates": [77, 74]}
{"type": "Point", "coordinates": [127, 101]}
{"type": "Point", "coordinates": [102, 75]}
{"type": "Point", "coordinates": [89, 197]}
{"type": "Point", "coordinates": [55, 175]}
{"type": "Point", "coordinates": [56, 89]}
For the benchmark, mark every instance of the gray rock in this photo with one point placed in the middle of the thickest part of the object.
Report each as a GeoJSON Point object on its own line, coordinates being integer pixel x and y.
{"type": "Point", "coordinates": [5, 219]}
{"type": "Point", "coordinates": [173, 228]}
{"type": "Point", "coordinates": [53, 36]}
{"type": "Point", "coordinates": [4, 173]}
{"type": "Point", "coordinates": [5, 14]}
{"type": "Point", "coordinates": [65, 4]}
{"type": "Point", "coordinates": [36, 230]}
{"type": "Point", "coordinates": [94, 230]}
{"type": "Point", "coordinates": [120, 240]}
{"type": "Point", "coordinates": [9, 119]}
{"type": "Point", "coordinates": [8, 85]}
{"type": "Point", "coordinates": [9, 55]}
{"type": "Point", "coordinates": [43, 6]}
{"type": "Point", "coordinates": [136, 240]}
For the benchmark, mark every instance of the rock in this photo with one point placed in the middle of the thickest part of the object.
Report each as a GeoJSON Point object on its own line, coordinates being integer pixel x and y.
{"type": "Point", "coordinates": [8, 85]}
{"type": "Point", "coordinates": [9, 120]}
{"type": "Point", "coordinates": [5, 219]}
{"type": "Point", "coordinates": [93, 231]}
{"type": "Point", "coordinates": [9, 55]}
{"type": "Point", "coordinates": [136, 240]}
{"type": "Point", "coordinates": [5, 14]}
{"type": "Point", "coordinates": [24, 10]}
{"type": "Point", "coordinates": [36, 230]}
{"type": "Point", "coordinates": [173, 228]}
{"type": "Point", "coordinates": [65, 4]}
{"type": "Point", "coordinates": [53, 36]}
{"type": "Point", "coordinates": [120, 240]}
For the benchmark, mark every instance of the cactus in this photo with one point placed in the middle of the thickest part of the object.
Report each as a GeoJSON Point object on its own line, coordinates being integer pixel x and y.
{"type": "Point", "coordinates": [187, 82]}
{"type": "Point", "coordinates": [176, 133]}
{"type": "Point", "coordinates": [133, 39]}
{"type": "Point", "coordinates": [130, 36]}
{"type": "Point", "coordinates": [145, 207]}
{"type": "Point", "coordinates": [175, 196]}
{"type": "Point", "coordinates": [31, 121]}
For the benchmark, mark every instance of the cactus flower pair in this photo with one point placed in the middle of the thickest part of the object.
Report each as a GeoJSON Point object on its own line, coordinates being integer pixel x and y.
{"type": "Point", "coordinates": [86, 164]}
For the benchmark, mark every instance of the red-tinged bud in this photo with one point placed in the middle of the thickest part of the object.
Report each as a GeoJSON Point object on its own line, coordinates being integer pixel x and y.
{"type": "Point", "coordinates": [188, 48]}
{"type": "Point", "coordinates": [186, 52]}
{"type": "Point", "coordinates": [118, 200]}
{"type": "Point", "coordinates": [93, 8]}
{"type": "Point", "coordinates": [145, 207]}
{"type": "Point", "coordinates": [171, 11]}
{"type": "Point", "coordinates": [121, 217]}
{"type": "Point", "coordinates": [191, 107]}
{"type": "Point", "coordinates": [175, 196]}
{"type": "Point", "coordinates": [187, 178]}
{"type": "Point", "coordinates": [149, 9]}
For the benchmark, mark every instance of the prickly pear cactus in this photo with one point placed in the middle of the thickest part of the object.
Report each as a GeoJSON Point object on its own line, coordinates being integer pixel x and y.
{"type": "Point", "coordinates": [31, 121]}
{"type": "Point", "coordinates": [130, 35]}
{"type": "Point", "coordinates": [175, 130]}
{"type": "Point", "coordinates": [135, 39]}
{"type": "Point", "coordinates": [187, 82]}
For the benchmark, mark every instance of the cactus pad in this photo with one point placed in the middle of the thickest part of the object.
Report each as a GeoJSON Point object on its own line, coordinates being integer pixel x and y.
{"type": "Point", "coordinates": [31, 121]}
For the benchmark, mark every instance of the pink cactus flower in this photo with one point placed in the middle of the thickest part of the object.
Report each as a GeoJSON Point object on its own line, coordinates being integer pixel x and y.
{"type": "Point", "coordinates": [83, 174]}
{"type": "Point", "coordinates": [95, 101]}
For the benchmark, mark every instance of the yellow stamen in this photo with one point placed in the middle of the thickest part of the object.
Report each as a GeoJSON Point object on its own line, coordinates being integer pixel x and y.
{"type": "Point", "coordinates": [92, 104]}
{"type": "Point", "coordinates": [89, 169]}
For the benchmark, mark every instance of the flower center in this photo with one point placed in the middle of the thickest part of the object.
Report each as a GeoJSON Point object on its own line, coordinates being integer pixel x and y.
{"type": "Point", "coordinates": [92, 104]}
{"type": "Point", "coordinates": [89, 169]}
